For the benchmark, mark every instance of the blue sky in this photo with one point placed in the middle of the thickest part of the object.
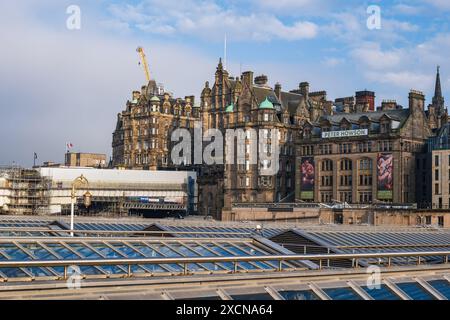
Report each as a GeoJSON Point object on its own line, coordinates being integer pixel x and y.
{"type": "Point", "coordinates": [59, 86]}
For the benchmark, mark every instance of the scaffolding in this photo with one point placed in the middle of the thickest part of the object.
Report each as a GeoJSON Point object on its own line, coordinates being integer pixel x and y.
{"type": "Point", "coordinates": [29, 191]}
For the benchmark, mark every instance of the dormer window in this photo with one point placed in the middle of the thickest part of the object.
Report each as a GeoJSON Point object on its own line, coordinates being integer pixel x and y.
{"type": "Point", "coordinates": [345, 126]}
{"type": "Point", "coordinates": [385, 127]}
{"type": "Point", "coordinates": [307, 133]}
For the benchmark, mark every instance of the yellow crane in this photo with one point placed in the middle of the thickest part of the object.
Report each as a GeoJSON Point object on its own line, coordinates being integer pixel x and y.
{"type": "Point", "coordinates": [141, 52]}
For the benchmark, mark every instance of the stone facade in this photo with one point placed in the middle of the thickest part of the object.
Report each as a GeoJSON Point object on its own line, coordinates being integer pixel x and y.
{"type": "Point", "coordinates": [93, 160]}
{"type": "Point", "coordinates": [246, 103]}
{"type": "Point", "coordinates": [345, 166]}
{"type": "Point", "coordinates": [142, 139]}
{"type": "Point", "coordinates": [348, 143]}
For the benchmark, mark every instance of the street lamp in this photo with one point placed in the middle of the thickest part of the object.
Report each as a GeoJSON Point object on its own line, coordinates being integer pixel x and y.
{"type": "Point", "coordinates": [81, 180]}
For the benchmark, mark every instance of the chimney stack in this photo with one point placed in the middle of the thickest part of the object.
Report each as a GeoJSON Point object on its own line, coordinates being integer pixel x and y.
{"type": "Point", "coordinates": [247, 78]}
{"type": "Point", "coordinates": [304, 89]}
{"type": "Point", "coordinates": [278, 90]}
{"type": "Point", "coordinates": [416, 101]}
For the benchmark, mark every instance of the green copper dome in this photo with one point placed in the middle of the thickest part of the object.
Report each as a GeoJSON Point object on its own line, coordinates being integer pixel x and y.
{"type": "Point", "coordinates": [155, 99]}
{"type": "Point", "coordinates": [266, 104]}
{"type": "Point", "coordinates": [230, 108]}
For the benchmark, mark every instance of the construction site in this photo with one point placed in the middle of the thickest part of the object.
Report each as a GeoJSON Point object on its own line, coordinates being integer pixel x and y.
{"type": "Point", "coordinates": [23, 191]}
{"type": "Point", "coordinates": [51, 191]}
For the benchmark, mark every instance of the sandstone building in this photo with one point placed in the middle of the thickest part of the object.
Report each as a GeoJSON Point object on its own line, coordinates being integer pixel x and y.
{"type": "Point", "coordinates": [142, 139]}
{"type": "Point", "coordinates": [80, 159]}
{"type": "Point", "coordinates": [249, 102]}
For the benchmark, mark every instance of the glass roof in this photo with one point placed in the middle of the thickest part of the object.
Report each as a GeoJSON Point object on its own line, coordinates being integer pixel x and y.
{"type": "Point", "coordinates": [379, 242]}
{"type": "Point", "coordinates": [85, 249]}
{"type": "Point", "coordinates": [16, 228]}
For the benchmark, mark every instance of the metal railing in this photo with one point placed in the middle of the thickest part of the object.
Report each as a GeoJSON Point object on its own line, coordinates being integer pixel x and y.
{"type": "Point", "coordinates": [158, 233]}
{"type": "Point", "coordinates": [276, 205]}
{"type": "Point", "coordinates": [235, 260]}
{"type": "Point", "coordinates": [382, 206]}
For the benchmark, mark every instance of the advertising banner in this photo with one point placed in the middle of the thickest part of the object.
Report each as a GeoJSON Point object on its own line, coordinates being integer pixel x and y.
{"type": "Point", "coordinates": [307, 171]}
{"type": "Point", "coordinates": [385, 177]}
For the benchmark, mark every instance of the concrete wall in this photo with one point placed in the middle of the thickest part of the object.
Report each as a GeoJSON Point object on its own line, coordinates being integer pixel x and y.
{"type": "Point", "coordinates": [263, 214]}
{"type": "Point", "coordinates": [437, 218]}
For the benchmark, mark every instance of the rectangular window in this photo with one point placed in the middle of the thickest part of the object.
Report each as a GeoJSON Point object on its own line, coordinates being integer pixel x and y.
{"type": "Point", "coordinates": [436, 174]}
{"type": "Point", "coordinates": [436, 160]}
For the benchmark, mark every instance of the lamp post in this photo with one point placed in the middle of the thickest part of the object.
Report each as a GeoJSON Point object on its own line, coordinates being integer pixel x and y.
{"type": "Point", "coordinates": [81, 180]}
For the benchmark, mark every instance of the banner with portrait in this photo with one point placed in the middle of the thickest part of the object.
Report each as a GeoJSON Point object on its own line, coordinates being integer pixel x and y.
{"type": "Point", "coordinates": [385, 177]}
{"type": "Point", "coordinates": [307, 171]}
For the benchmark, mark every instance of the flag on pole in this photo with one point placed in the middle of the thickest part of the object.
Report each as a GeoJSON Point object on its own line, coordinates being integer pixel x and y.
{"type": "Point", "coordinates": [68, 147]}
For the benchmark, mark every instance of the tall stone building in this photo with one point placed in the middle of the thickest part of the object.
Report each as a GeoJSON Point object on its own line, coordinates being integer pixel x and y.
{"type": "Point", "coordinates": [245, 103]}
{"type": "Point", "coordinates": [142, 138]}
{"type": "Point", "coordinates": [364, 157]}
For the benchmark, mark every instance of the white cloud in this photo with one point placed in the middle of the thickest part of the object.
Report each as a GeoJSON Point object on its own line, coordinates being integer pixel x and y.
{"type": "Point", "coordinates": [296, 7]}
{"type": "Point", "coordinates": [332, 61]}
{"type": "Point", "coordinates": [441, 4]}
{"type": "Point", "coordinates": [207, 20]}
{"type": "Point", "coordinates": [407, 67]}
{"type": "Point", "coordinates": [396, 25]}
{"type": "Point", "coordinates": [406, 9]}
{"type": "Point", "coordinates": [59, 85]}
{"type": "Point", "coordinates": [402, 79]}
{"type": "Point", "coordinates": [373, 57]}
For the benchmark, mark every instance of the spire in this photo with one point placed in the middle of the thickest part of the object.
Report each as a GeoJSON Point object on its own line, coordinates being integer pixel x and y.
{"type": "Point", "coordinates": [220, 66]}
{"type": "Point", "coordinates": [437, 89]}
{"type": "Point", "coordinates": [438, 99]}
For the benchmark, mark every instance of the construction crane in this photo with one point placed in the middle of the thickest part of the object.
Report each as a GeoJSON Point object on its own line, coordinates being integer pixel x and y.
{"type": "Point", "coordinates": [140, 50]}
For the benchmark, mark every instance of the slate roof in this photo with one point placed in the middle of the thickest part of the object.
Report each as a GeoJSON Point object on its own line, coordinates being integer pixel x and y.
{"type": "Point", "coordinates": [398, 115]}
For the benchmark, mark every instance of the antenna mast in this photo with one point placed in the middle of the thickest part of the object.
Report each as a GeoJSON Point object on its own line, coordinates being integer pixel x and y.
{"type": "Point", "coordinates": [225, 52]}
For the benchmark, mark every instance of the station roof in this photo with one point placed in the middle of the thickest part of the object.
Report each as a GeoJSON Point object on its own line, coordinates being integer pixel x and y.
{"type": "Point", "coordinates": [229, 255]}
{"type": "Point", "coordinates": [345, 241]}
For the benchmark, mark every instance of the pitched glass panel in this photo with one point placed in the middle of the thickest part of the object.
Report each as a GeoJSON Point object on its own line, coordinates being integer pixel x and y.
{"type": "Point", "coordinates": [13, 272]}
{"type": "Point", "coordinates": [62, 251]}
{"type": "Point", "coordinates": [342, 294]}
{"type": "Point", "coordinates": [85, 251]}
{"type": "Point", "coordinates": [108, 252]}
{"type": "Point", "coordinates": [14, 252]}
{"type": "Point", "coordinates": [253, 296]}
{"type": "Point", "coordinates": [39, 252]}
{"type": "Point", "coordinates": [415, 291]}
{"type": "Point", "coordinates": [298, 295]}
{"type": "Point", "coordinates": [384, 293]}
{"type": "Point", "coordinates": [443, 286]}
{"type": "Point", "coordinates": [127, 251]}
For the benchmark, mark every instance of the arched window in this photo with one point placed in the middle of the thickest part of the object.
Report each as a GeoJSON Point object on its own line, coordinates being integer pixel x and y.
{"type": "Point", "coordinates": [365, 164]}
